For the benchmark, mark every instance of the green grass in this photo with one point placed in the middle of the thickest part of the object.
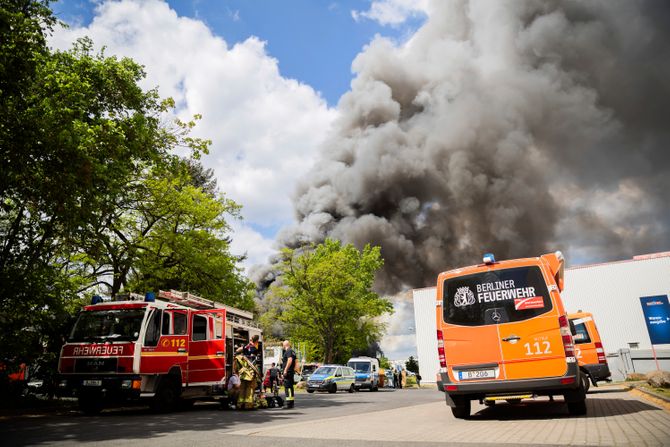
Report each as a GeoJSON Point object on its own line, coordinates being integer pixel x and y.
{"type": "Point", "coordinates": [665, 392]}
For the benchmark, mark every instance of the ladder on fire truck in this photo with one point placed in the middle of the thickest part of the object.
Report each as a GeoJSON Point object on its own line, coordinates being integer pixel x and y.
{"type": "Point", "coordinates": [233, 315]}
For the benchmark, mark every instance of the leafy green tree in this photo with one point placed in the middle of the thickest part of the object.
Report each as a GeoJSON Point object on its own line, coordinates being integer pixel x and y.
{"type": "Point", "coordinates": [328, 300]}
{"type": "Point", "coordinates": [384, 362]}
{"type": "Point", "coordinates": [412, 365]}
{"type": "Point", "coordinates": [187, 246]}
{"type": "Point", "coordinates": [75, 129]}
{"type": "Point", "coordinates": [168, 232]}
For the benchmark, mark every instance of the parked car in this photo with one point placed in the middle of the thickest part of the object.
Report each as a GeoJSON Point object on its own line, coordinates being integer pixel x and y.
{"type": "Point", "coordinates": [332, 378]}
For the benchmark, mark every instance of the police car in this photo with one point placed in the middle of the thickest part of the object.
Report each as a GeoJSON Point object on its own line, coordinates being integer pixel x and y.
{"type": "Point", "coordinates": [332, 378]}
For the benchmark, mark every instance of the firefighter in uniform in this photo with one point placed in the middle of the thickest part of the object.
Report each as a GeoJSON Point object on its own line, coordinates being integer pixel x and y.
{"type": "Point", "coordinates": [289, 361]}
{"type": "Point", "coordinates": [248, 377]}
{"type": "Point", "coordinates": [245, 361]}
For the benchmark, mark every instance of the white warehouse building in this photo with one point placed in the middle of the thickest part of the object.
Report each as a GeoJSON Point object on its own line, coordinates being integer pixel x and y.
{"type": "Point", "coordinates": [610, 291]}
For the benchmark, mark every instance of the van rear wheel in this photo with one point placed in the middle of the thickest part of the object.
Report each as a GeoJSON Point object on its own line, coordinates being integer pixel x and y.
{"type": "Point", "coordinates": [351, 388]}
{"type": "Point", "coordinates": [577, 408]}
{"type": "Point", "coordinates": [462, 408]}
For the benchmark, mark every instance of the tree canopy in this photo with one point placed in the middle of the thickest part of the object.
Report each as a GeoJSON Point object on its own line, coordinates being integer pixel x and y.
{"type": "Point", "coordinates": [92, 192]}
{"type": "Point", "coordinates": [327, 299]}
{"type": "Point", "coordinates": [412, 364]}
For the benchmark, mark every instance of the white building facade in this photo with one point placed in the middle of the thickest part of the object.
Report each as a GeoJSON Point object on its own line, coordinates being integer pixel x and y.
{"type": "Point", "coordinates": [610, 291]}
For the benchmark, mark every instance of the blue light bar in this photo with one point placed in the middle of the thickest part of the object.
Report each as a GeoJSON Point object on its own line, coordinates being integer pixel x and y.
{"type": "Point", "coordinates": [489, 258]}
{"type": "Point", "coordinates": [96, 299]}
{"type": "Point", "coordinates": [150, 297]}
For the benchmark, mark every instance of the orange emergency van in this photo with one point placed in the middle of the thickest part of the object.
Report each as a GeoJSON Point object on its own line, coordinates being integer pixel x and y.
{"type": "Point", "coordinates": [503, 334]}
{"type": "Point", "coordinates": [589, 349]}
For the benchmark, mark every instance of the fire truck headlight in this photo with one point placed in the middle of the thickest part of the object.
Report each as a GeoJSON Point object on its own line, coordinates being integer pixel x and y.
{"type": "Point", "coordinates": [126, 384]}
{"type": "Point", "coordinates": [62, 384]}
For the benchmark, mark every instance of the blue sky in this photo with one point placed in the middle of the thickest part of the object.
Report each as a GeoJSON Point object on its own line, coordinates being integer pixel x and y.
{"type": "Point", "coordinates": [314, 41]}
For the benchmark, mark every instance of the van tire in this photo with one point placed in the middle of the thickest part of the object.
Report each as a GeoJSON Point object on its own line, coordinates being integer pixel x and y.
{"type": "Point", "coordinates": [333, 388]}
{"type": "Point", "coordinates": [352, 388]}
{"type": "Point", "coordinates": [310, 391]}
{"type": "Point", "coordinates": [586, 381]}
{"type": "Point", "coordinates": [577, 408]}
{"type": "Point", "coordinates": [462, 409]}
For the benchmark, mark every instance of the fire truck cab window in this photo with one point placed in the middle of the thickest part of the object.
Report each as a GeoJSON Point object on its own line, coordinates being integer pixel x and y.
{"type": "Point", "coordinates": [166, 324]}
{"type": "Point", "coordinates": [153, 329]}
{"type": "Point", "coordinates": [218, 327]}
{"type": "Point", "coordinates": [199, 327]}
{"type": "Point", "coordinates": [179, 323]}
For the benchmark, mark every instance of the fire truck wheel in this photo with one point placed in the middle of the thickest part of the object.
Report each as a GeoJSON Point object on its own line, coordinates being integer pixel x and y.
{"type": "Point", "coordinates": [186, 404]}
{"type": "Point", "coordinates": [90, 404]}
{"type": "Point", "coordinates": [167, 396]}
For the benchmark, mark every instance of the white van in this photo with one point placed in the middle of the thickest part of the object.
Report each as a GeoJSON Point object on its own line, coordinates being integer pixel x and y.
{"type": "Point", "coordinates": [367, 372]}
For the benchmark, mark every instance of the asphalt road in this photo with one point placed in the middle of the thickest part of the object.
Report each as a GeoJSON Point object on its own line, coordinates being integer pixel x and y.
{"type": "Point", "coordinates": [387, 418]}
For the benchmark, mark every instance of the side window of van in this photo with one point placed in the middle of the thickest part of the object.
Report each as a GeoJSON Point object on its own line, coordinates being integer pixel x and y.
{"type": "Point", "coordinates": [579, 333]}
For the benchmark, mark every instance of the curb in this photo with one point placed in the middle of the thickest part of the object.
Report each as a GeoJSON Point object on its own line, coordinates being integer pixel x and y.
{"type": "Point", "coordinates": [652, 393]}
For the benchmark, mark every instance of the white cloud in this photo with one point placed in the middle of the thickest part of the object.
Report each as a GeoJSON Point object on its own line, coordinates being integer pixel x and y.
{"type": "Point", "coordinates": [393, 12]}
{"type": "Point", "coordinates": [246, 241]}
{"type": "Point", "coordinates": [399, 341]}
{"type": "Point", "coordinates": [265, 128]}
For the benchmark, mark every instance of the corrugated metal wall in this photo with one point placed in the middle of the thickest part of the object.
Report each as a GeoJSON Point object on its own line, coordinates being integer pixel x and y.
{"type": "Point", "coordinates": [426, 341]}
{"type": "Point", "coordinates": [611, 292]}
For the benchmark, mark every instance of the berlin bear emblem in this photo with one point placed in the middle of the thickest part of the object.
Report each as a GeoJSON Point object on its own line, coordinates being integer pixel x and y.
{"type": "Point", "coordinates": [464, 297]}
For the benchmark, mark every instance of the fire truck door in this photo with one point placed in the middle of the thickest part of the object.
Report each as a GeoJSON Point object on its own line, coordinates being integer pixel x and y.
{"type": "Point", "coordinates": [206, 357]}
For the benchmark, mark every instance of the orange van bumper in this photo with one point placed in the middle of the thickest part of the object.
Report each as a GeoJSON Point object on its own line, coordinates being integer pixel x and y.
{"type": "Point", "coordinates": [567, 385]}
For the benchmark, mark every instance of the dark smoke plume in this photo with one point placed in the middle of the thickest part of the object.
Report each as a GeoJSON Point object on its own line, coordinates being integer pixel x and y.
{"type": "Point", "coordinates": [517, 127]}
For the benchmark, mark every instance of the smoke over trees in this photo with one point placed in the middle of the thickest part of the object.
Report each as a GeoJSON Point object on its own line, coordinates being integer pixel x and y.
{"type": "Point", "coordinates": [515, 127]}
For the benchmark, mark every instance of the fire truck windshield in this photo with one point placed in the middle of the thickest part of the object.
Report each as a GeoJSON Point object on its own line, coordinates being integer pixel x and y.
{"type": "Point", "coordinates": [108, 325]}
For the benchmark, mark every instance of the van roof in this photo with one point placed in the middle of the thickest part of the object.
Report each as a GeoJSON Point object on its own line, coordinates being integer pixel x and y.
{"type": "Point", "coordinates": [366, 359]}
{"type": "Point", "coordinates": [508, 263]}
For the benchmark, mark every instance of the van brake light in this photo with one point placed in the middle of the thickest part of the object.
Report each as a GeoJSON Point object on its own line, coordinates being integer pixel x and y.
{"type": "Point", "coordinates": [601, 353]}
{"type": "Point", "coordinates": [566, 335]}
{"type": "Point", "coordinates": [440, 349]}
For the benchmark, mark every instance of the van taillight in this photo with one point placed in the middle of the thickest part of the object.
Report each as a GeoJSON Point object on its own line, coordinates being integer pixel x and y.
{"type": "Point", "coordinates": [601, 352]}
{"type": "Point", "coordinates": [566, 335]}
{"type": "Point", "coordinates": [440, 350]}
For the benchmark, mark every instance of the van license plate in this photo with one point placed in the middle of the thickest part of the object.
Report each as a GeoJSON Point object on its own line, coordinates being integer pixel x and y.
{"type": "Point", "coordinates": [92, 382]}
{"type": "Point", "coordinates": [477, 374]}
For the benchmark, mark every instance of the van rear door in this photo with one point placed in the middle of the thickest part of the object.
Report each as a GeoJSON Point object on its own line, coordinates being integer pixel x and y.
{"type": "Point", "coordinates": [529, 328]}
{"type": "Point", "coordinates": [471, 339]}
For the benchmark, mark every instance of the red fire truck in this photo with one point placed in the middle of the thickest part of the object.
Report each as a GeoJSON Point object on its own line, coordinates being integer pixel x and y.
{"type": "Point", "coordinates": [172, 348]}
